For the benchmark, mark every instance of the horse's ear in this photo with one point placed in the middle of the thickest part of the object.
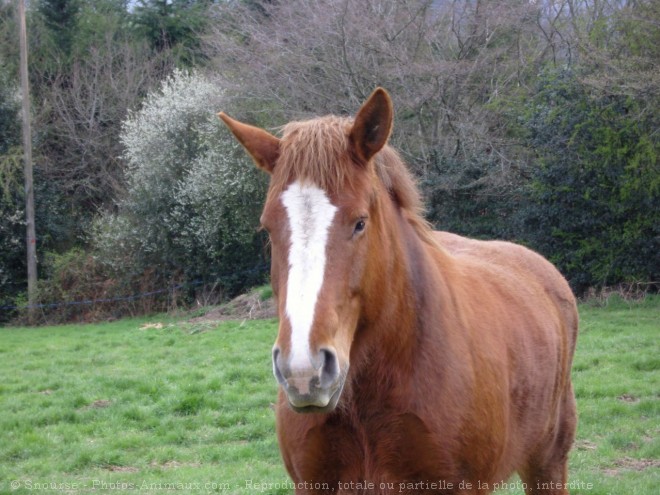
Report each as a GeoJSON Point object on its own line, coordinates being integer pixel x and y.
{"type": "Point", "coordinates": [373, 125]}
{"type": "Point", "coordinates": [263, 147]}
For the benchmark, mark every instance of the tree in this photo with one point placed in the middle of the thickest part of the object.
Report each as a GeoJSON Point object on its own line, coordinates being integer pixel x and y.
{"type": "Point", "coordinates": [86, 97]}
{"type": "Point", "coordinates": [85, 86]}
{"type": "Point", "coordinates": [9, 120]}
{"type": "Point", "coordinates": [173, 25]}
{"type": "Point", "coordinates": [442, 61]}
{"type": "Point", "coordinates": [9, 50]}
{"type": "Point", "coordinates": [13, 270]}
{"type": "Point", "coordinates": [60, 18]}
{"type": "Point", "coordinates": [88, 104]}
{"type": "Point", "coordinates": [450, 66]}
{"type": "Point", "coordinates": [463, 75]}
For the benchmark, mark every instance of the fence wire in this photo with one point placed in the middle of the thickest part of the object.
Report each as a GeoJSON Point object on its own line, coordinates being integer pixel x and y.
{"type": "Point", "coordinates": [133, 297]}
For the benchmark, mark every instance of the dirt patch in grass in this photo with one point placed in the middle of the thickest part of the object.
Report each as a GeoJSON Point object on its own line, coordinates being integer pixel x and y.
{"type": "Point", "coordinates": [121, 469]}
{"type": "Point", "coordinates": [249, 306]}
{"type": "Point", "coordinates": [173, 465]}
{"type": "Point", "coordinates": [147, 326]}
{"type": "Point", "coordinates": [99, 404]}
{"type": "Point", "coordinates": [630, 464]}
{"type": "Point", "coordinates": [585, 445]}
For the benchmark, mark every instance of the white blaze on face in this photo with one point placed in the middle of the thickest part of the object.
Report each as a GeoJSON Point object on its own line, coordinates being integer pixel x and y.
{"type": "Point", "coordinates": [310, 215]}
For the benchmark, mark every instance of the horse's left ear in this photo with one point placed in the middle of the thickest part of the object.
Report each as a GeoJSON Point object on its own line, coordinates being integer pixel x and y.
{"type": "Point", "coordinates": [373, 125]}
{"type": "Point", "coordinates": [263, 147]}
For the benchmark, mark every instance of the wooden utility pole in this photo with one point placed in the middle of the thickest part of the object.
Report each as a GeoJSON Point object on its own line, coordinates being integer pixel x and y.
{"type": "Point", "coordinates": [31, 237]}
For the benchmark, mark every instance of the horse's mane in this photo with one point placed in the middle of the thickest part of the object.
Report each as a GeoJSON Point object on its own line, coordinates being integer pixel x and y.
{"type": "Point", "coordinates": [316, 151]}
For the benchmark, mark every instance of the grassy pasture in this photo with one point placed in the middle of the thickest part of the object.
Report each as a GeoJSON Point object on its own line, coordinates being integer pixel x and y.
{"type": "Point", "coordinates": [164, 405]}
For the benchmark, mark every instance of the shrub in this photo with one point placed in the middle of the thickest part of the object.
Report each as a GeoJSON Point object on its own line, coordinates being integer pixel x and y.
{"type": "Point", "coordinates": [75, 286]}
{"type": "Point", "coordinates": [595, 196]}
{"type": "Point", "coordinates": [193, 199]}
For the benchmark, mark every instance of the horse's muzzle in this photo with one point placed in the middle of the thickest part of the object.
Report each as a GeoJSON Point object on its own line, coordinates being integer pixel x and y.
{"type": "Point", "coordinates": [313, 389]}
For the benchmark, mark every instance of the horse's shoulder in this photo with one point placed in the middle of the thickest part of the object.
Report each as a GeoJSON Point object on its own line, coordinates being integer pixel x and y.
{"type": "Point", "coordinates": [494, 252]}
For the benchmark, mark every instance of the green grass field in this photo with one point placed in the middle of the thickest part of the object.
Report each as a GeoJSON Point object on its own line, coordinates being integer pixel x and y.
{"type": "Point", "coordinates": [163, 405]}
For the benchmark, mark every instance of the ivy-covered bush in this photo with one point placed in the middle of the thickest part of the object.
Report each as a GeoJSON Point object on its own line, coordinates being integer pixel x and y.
{"type": "Point", "coordinates": [594, 204]}
{"type": "Point", "coordinates": [193, 201]}
{"type": "Point", "coordinates": [463, 198]}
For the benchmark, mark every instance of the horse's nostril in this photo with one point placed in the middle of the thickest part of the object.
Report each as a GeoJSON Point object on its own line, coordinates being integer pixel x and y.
{"type": "Point", "coordinates": [329, 368]}
{"type": "Point", "coordinates": [276, 366]}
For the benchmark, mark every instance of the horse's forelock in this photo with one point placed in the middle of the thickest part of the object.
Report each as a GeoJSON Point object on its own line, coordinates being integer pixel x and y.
{"type": "Point", "coordinates": [317, 152]}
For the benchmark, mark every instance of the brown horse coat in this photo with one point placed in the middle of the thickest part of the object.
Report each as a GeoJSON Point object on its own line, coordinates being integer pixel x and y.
{"type": "Point", "coordinates": [436, 363]}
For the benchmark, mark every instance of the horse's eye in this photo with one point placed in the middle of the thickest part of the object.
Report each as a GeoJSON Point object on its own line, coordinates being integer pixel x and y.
{"type": "Point", "coordinates": [359, 226]}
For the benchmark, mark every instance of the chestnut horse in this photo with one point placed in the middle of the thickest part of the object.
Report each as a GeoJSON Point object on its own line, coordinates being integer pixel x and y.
{"type": "Point", "coordinates": [426, 362]}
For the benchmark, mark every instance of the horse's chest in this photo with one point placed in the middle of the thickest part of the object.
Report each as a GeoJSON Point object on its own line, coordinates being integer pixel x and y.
{"type": "Point", "coordinates": [394, 453]}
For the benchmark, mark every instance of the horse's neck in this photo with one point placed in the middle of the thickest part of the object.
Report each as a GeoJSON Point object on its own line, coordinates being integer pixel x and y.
{"type": "Point", "coordinates": [401, 340]}
{"type": "Point", "coordinates": [405, 292]}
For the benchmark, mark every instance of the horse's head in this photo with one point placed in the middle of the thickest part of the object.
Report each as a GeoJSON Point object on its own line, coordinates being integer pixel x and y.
{"type": "Point", "coordinates": [318, 213]}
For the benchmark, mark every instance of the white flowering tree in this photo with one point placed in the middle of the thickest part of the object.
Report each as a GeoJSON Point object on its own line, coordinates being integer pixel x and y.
{"type": "Point", "coordinates": [193, 198]}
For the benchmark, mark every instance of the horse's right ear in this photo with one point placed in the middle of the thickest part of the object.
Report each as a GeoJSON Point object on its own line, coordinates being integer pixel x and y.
{"type": "Point", "coordinates": [373, 125]}
{"type": "Point", "coordinates": [263, 147]}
